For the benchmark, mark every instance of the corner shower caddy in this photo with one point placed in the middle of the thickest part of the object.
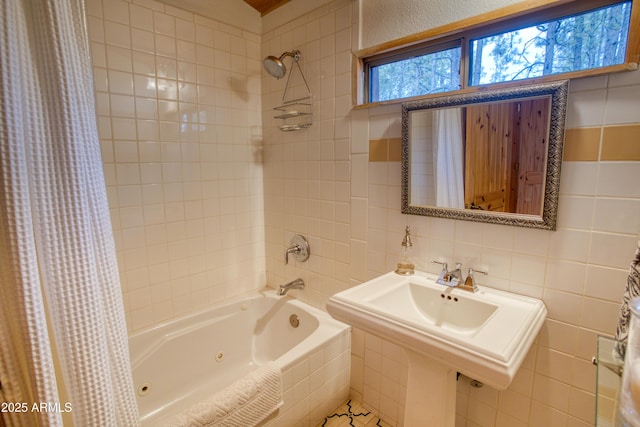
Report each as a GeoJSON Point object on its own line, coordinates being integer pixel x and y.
{"type": "Point", "coordinates": [295, 113]}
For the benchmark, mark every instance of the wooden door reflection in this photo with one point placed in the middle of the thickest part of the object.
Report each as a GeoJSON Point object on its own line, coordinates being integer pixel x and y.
{"type": "Point", "coordinates": [505, 155]}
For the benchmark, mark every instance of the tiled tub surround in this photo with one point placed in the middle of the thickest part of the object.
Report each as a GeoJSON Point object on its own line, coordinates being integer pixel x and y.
{"type": "Point", "coordinates": [178, 104]}
{"type": "Point", "coordinates": [180, 363]}
{"type": "Point", "coordinates": [315, 385]}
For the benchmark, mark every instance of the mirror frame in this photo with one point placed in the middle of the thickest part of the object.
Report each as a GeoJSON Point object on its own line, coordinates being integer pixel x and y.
{"type": "Point", "coordinates": [558, 92]}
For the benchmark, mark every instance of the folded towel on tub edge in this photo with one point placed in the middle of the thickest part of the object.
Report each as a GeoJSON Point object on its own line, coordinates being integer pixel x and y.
{"type": "Point", "coordinates": [246, 402]}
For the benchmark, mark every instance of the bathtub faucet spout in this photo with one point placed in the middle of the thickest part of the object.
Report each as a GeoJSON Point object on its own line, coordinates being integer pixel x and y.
{"type": "Point", "coordinates": [296, 284]}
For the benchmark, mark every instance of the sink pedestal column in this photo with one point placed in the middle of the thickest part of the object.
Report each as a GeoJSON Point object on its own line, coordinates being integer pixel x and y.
{"type": "Point", "coordinates": [431, 392]}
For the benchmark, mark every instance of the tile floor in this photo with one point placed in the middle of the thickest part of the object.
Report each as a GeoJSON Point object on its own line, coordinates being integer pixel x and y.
{"type": "Point", "coordinates": [353, 414]}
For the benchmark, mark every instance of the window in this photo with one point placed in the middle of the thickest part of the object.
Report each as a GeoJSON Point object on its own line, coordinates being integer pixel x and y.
{"type": "Point", "coordinates": [588, 40]}
{"type": "Point", "coordinates": [416, 74]}
{"type": "Point", "coordinates": [566, 39]}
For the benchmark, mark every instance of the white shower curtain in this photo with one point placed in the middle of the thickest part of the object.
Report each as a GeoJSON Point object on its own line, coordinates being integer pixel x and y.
{"type": "Point", "coordinates": [448, 158]}
{"type": "Point", "coordinates": [60, 297]}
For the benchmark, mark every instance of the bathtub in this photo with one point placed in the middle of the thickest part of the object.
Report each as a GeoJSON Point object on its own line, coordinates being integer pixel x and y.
{"type": "Point", "coordinates": [181, 362]}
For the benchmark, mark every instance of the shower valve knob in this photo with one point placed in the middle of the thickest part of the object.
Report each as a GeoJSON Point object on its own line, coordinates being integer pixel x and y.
{"type": "Point", "coordinates": [299, 247]}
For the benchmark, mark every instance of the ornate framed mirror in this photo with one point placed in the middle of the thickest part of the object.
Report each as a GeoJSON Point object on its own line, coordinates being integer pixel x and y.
{"type": "Point", "coordinates": [491, 156]}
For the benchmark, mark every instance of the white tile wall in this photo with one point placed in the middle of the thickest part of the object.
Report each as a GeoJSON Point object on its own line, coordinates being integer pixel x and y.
{"type": "Point", "coordinates": [308, 185]}
{"type": "Point", "coordinates": [178, 101]}
{"type": "Point", "coordinates": [315, 385]}
{"type": "Point", "coordinates": [579, 270]}
{"type": "Point", "coordinates": [185, 121]}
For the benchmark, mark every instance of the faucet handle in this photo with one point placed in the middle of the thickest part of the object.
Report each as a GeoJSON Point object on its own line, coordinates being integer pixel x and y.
{"type": "Point", "coordinates": [299, 247]}
{"type": "Point", "coordinates": [295, 249]}
{"type": "Point", "coordinates": [474, 270]}
{"type": "Point", "coordinates": [470, 282]}
{"type": "Point", "coordinates": [445, 266]}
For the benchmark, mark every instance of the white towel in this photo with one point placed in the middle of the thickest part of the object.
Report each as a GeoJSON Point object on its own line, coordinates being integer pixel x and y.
{"type": "Point", "coordinates": [246, 402]}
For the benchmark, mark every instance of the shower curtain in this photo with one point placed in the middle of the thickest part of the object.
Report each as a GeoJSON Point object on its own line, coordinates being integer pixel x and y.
{"type": "Point", "coordinates": [448, 158]}
{"type": "Point", "coordinates": [63, 338]}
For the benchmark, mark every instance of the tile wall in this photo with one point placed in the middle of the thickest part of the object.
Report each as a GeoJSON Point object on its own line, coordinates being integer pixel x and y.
{"type": "Point", "coordinates": [315, 385]}
{"type": "Point", "coordinates": [307, 173]}
{"type": "Point", "coordinates": [178, 104]}
{"type": "Point", "coordinates": [186, 124]}
{"type": "Point", "coordinates": [325, 183]}
{"type": "Point", "coordinates": [579, 270]}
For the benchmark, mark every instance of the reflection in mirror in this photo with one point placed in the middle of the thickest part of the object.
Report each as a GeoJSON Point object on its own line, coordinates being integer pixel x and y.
{"type": "Point", "coordinates": [489, 156]}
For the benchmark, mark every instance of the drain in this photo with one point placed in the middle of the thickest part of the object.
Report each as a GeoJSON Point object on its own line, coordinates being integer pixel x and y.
{"type": "Point", "coordinates": [219, 356]}
{"type": "Point", "coordinates": [144, 389]}
{"type": "Point", "coordinates": [293, 319]}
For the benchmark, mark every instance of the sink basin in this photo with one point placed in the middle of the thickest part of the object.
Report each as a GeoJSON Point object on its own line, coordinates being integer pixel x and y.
{"type": "Point", "coordinates": [419, 303]}
{"type": "Point", "coordinates": [484, 335]}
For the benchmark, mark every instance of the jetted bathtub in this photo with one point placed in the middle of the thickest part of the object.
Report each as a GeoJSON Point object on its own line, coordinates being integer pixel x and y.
{"type": "Point", "coordinates": [182, 362]}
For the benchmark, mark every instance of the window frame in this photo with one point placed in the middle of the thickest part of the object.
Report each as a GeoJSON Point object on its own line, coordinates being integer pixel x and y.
{"type": "Point", "coordinates": [506, 19]}
{"type": "Point", "coordinates": [410, 52]}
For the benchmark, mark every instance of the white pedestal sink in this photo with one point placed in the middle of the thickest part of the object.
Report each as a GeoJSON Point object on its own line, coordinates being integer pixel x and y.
{"type": "Point", "coordinates": [431, 392]}
{"type": "Point", "coordinates": [484, 335]}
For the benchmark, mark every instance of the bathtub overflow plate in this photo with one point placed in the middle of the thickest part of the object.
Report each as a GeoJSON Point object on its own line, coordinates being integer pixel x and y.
{"type": "Point", "coordinates": [294, 320]}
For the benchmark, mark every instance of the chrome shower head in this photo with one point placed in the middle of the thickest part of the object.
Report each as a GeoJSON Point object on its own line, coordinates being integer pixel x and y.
{"type": "Point", "coordinates": [275, 66]}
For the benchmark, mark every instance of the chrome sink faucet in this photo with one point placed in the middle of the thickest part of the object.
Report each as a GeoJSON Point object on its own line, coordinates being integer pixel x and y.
{"type": "Point", "coordinates": [449, 278]}
{"type": "Point", "coordinates": [453, 278]}
{"type": "Point", "coordinates": [456, 274]}
{"type": "Point", "coordinates": [295, 284]}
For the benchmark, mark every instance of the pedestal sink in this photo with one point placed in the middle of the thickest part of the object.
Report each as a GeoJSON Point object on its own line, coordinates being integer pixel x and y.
{"type": "Point", "coordinates": [484, 335]}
